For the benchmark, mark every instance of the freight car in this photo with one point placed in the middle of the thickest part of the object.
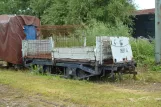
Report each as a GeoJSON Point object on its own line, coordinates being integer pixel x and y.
{"type": "Point", "coordinates": [110, 55]}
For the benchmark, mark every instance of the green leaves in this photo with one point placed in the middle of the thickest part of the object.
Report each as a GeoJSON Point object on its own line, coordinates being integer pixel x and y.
{"type": "Point", "coordinates": [59, 12]}
{"type": "Point", "coordinates": [14, 7]}
{"type": "Point", "coordinates": [82, 11]}
{"type": "Point", "coordinates": [39, 7]}
{"type": "Point", "coordinates": [56, 13]}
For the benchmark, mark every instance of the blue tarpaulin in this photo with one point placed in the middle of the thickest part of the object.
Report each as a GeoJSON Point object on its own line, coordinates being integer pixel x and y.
{"type": "Point", "coordinates": [30, 32]}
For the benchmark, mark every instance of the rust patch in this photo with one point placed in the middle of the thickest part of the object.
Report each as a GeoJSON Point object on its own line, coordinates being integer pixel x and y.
{"type": "Point", "coordinates": [40, 56]}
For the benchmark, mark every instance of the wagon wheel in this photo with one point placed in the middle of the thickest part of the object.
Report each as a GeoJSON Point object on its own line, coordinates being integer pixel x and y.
{"type": "Point", "coordinates": [80, 74]}
{"type": "Point", "coordinates": [47, 70]}
{"type": "Point", "coordinates": [69, 72]}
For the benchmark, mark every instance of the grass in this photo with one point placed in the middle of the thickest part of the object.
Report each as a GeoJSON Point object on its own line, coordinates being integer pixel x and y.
{"type": "Point", "coordinates": [144, 54]}
{"type": "Point", "coordinates": [143, 51]}
{"type": "Point", "coordinates": [101, 29]}
{"type": "Point", "coordinates": [70, 41]}
{"type": "Point", "coordinates": [153, 77]}
{"type": "Point", "coordinates": [90, 32]}
{"type": "Point", "coordinates": [79, 92]}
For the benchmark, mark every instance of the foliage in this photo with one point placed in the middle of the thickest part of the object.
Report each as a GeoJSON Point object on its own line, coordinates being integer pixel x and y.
{"type": "Point", "coordinates": [70, 41]}
{"type": "Point", "coordinates": [90, 32]}
{"type": "Point", "coordinates": [143, 52]}
{"type": "Point", "coordinates": [142, 49]}
{"type": "Point", "coordinates": [82, 11]}
{"type": "Point", "coordinates": [56, 13]}
{"type": "Point", "coordinates": [101, 29]}
{"type": "Point", "coordinates": [71, 11]}
{"type": "Point", "coordinates": [35, 69]}
{"type": "Point", "coordinates": [38, 7]}
{"type": "Point", "coordinates": [153, 77]}
{"type": "Point", "coordinates": [15, 7]}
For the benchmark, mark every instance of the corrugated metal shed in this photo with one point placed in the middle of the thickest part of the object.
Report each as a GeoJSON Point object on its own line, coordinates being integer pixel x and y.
{"type": "Point", "coordinates": [144, 23]}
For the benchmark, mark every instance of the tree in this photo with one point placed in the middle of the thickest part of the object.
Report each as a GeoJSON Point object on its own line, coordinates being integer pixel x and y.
{"type": "Point", "coordinates": [82, 11]}
{"type": "Point", "coordinates": [14, 7]}
{"type": "Point", "coordinates": [61, 12]}
{"type": "Point", "coordinates": [38, 7]}
{"type": "Point", "coordinates": [56, 13]}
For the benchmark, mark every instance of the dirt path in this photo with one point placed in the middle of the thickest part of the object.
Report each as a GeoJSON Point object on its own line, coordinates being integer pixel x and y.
{"type": "Point", "coordinates": [10, 97]}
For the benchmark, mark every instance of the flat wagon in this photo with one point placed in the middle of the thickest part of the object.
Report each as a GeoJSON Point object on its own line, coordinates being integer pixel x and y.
{"type": "Point", "coordinates": [110, 55]}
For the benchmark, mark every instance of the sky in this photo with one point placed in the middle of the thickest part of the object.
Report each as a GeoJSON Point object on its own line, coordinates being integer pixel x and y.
{"type": "Point", "coordinates": [145, 4]}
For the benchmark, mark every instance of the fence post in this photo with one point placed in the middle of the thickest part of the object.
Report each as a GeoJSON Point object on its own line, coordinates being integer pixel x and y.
{"type": "Point", "coordinates": [157, 30]}
{"type": "Point", "coordinates": [85, 41]}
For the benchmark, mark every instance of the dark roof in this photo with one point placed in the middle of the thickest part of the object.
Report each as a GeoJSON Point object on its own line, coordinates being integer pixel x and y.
{"type": "Point", "coordinates": [146, 11]}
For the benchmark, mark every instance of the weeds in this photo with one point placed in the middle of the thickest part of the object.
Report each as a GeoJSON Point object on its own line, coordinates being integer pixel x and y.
{"type": "Point", "coordinates": [142, 49]}
{"type": "Point", "coordinates": [71, 40]}
{"type": "Point", "coordinates": [152, 77]}
{"type": "Point", "coordinates": [90, 32]}
{"type": "Point", "coordinates": [101, 29]}
{"type": "Point", "coordinates": [143, 52]}
{"type": "Point", "coordinates": [37, 70]}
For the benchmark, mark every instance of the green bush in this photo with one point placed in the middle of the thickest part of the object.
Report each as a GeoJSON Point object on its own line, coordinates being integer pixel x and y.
{"type": "Point", "coordinates": [90, 31]}
{"type": "Point", "coordinates": [37, 70]}
{"type": "Point", "coordinates": [101, 29]}
{"type": "Point", "coordinates": [142, 48]}
{"type": "Point", "coordinates": [143, 52]}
